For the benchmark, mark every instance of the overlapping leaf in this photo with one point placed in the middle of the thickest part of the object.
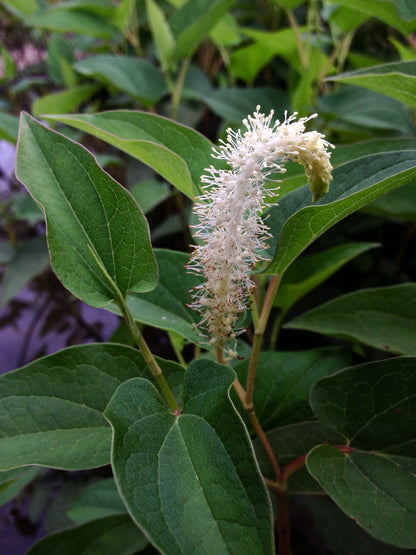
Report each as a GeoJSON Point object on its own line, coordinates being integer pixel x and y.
{"type": "Point", "coordinates": [177, 153]}
{"type": "Point", "coordinates": [52, 409]}
{"type": "Point", "coordinates": [372, 406]}
{"type": "Point", "coordinates": [190, 481]}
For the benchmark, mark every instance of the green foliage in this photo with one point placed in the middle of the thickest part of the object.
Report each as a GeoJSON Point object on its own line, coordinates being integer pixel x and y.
{"type": "Point", "coordinates": [190, 446]}
{"type": "Point", "coordinates": [190, 480]}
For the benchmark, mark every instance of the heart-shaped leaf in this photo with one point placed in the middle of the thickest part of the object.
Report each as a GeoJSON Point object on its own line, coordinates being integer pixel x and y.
{"type": "Point", "coordinates": [92, 222]}
{"type": "Point", "coordinates": [190, 481]}
{"type": "Point", "coordinates": [372, 406]}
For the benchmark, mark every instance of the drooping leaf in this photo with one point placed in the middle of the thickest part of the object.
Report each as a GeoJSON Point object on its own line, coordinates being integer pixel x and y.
{"type": "Point", "coordinates": [134, 76]}
{"type": "Point", "coordinates": [395, 79]}
{"type": "Point", "coordinates": [52, 409]}
{"type": "Point", "coordinates": [177, 153]}
{"type": "Point", "coordinates": [92, 222]}
{"type": "Point", "coordinates": [28, 261]}
{"type": "Point", "coordinates": [383, 317]}
{"type": "Point", "coordinates": [95, 537]}
{"type": "Point", "coordinates": [162, 34]}
{"type": "Point", "coordinates": [284, 379]}
{"type": "Point", "coordinates": [372, 406]}
{"type": "Point", "coordinates": [189, 480]}
{"type": "Point", "coordinates": [296, 224]}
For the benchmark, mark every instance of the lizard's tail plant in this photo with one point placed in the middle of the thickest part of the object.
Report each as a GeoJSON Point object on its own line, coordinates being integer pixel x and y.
{"type": "Point", "coordinates": [230, 227]}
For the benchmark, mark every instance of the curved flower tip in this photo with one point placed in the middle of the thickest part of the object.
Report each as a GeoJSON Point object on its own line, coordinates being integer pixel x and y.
{"type": "Point", "coordinates": [230, 227]}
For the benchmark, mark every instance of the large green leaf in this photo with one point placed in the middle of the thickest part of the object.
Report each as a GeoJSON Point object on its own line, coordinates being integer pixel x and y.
{"type": "Point", "coordinates": [284, 379]}
{"type": "Point", "coordinates": [292, 443]}
{"type": "Point", "coordinates": [372, 406]}
{"type": "Point", "coordinates": [52, 409]}
{"type": "Point", "coordinates": [165, 307]}
{"type": "Point", "coordinates": [383, 317]}
{"type": "Point", "coordinates": [396, 79]}
{"type": "Point", "coordinates": [93, 224]}
{"type": "Point", "coordinates": [310, 271]}
{"type": "Point", "coordinates": [192, 22]}
{"type": "Point", "coordinates": [132, 75]}
{"type": "Point", "coordinates": [190, 481]}
{"type": "Point", "coordinates": [177, 153]}
{"type": "Point", "coordinates": [105, 536]}
{"type": "Point", "coordinates": [296, 224]}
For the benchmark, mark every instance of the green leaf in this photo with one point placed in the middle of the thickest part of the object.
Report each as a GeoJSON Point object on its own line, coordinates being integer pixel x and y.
{"type": "Point", "coordinates": [162, 34]}
{"type": "Point", "coordinates": [60, 60]}
{"type": "Point", "coordinates": [9, 127]}
{"type": "Point", "coordinates": [29, 261]}
{"type": "Point", "coordinates": [64, 101]}
{"type": "Point", "coordinates": [284, 380]}
{"type": "Point", "coordinates": [66, 18]}
{"type": "Point", "coordinates": [177, 153]}
{"type": "Point", "coordinates": [365, 113]}
{"type": "Point", "coordinates": [149, 193]}
{"type": "Point", "coordinates": [92, 222]}
{"type": "Point", "coordinates": [192, 22]}
{"type": "Point", "coordinates": [13, 481]}
{"type": "Point", "coordinates": [372, 406]}
{"type": "Point", "coordinates": [27, 209]}
{"type": "Point", "coordinates": [134, 76]}
{"type": "Point", "coordinates": [383, 317]}
{"type": "Point", "coordinates": [308, 272]}
{"type": "Point", "coordinates": [165, 307]}
{"type": "Point", "coordinates": [399, 204]}
{"type": "Point", "coordinates": [52, 409]}
{"type": "Point", "coordinates": [396, 13]}
{"type": "Point", "coordinates": [290, 443]}
{"type": "Point", "coordinates": [334, 530]}
{"type": "Point", "coordinates": [22, 7]}
{"type": "Point", "coordinates": [297, 225]}
{"type": "Point", "coordinates": [375, 490]}
{"type": "Point", "coordinates": [97, 500]}
{"type": "Point", "coordinates": [190, 481]}
{"type": "Point", "coordinates": [233, 104]}
{"type": "Point", "coordinates": [95, 537]}
{"type": "Point", "coordinates": [396, 79]}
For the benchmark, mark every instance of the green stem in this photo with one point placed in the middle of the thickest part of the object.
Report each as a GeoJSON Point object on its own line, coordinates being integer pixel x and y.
{"type": "Point", "coordinates": [138, 338]}
{"type": "Point", "coordinates": [303, 54]}
{"type": "Point", "coordinates": [258, 335]}
{"type": "Point", "coordinates": [176, 97]}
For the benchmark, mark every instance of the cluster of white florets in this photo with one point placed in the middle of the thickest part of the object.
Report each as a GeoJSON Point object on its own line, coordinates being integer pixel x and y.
{"type": "Point", "coordinates": [230, 227]}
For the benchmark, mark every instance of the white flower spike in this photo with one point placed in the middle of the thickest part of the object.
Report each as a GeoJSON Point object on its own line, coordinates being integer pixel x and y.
{"type": "Point", "coordinates": [230, 225]}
